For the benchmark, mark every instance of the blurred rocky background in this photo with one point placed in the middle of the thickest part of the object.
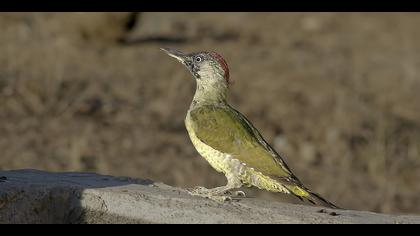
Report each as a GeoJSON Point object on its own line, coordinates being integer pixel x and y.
{"type": "Point", "coordinates": [336, 93]}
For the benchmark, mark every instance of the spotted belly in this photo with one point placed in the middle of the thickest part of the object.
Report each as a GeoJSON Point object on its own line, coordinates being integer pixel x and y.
{"type": "Point", "coordinates": [230, 166]}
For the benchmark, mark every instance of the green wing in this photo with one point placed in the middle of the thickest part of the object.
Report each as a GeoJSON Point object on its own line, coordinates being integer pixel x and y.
{"type": "Point", "coordinates": [226, 130]}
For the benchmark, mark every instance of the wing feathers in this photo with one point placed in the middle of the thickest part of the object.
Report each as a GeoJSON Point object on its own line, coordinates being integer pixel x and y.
{"type": "Point", "coordinates": [225, 129]}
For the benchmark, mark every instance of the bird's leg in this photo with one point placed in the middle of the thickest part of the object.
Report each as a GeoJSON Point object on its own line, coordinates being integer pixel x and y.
{"type": "Point", "coordinates": [219, 193]}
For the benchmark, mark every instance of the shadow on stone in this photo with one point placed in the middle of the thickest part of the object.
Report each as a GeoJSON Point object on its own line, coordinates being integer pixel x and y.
{"type": "Point", "coordinates": [31, 196]}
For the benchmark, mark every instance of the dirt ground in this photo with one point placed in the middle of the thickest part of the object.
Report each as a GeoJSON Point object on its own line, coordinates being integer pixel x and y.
{"type": "Point", "coordinates": [337, 94]}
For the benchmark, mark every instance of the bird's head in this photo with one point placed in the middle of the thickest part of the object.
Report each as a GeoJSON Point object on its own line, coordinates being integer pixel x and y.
{"type": "Point", "coordinates": [207, 67]}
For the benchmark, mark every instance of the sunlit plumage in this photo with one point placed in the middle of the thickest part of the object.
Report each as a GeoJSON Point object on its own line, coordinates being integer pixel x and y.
{"type": "Point", "coordinates": [227, 140]}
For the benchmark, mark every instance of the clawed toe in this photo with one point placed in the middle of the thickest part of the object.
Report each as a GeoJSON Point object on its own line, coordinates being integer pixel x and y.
{"type": "Point", "coordinates": [220, 198]}
{"type": "Point", "coordinates": [198, 190]}
{"type": "Point", "coordinates": [239, 194]}
{"type": "Point", "coordinates": [236, 193]}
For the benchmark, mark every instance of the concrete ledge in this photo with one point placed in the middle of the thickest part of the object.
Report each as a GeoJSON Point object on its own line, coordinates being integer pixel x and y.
{"type": "Point", "coordinates": [31, 196]}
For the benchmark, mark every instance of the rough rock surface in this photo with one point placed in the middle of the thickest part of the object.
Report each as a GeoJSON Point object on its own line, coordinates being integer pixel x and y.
{"type": "Point", "coordinates": [32, 196]}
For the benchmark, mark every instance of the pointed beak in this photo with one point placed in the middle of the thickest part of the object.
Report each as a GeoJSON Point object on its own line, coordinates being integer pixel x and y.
{"type": "Point", "coordinates": [180, 56]}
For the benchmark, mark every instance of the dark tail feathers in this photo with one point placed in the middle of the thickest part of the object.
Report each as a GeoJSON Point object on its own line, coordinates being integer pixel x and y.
{"type": "Point", "coordinates": [316, 199]}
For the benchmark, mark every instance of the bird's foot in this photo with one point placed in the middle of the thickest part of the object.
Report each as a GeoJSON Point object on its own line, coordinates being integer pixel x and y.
{"type": "Point", "coordinates": [219, 198]}
{"type": "Point", "coordinates": [236, 193]}
{"type": "Point", "coordinates": [214, 194]}
{"type": "Point", "coordinates": [198, 191]}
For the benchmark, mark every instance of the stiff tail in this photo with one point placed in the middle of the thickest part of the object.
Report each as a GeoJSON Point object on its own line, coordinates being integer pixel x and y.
{"type": "Point", "coordinates": [314, 198]}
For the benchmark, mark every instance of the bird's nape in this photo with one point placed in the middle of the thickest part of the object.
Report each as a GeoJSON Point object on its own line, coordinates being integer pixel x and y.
{"type": "Point", "coordinates": [223, 64]}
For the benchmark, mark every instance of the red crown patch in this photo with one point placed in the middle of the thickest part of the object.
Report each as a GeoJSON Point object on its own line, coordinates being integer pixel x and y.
{"type": "Point", "coordinates": [224, 66]}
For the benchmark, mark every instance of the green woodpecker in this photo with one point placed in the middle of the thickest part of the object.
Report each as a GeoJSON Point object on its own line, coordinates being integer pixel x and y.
{"type": "Point", "coordinates": [228, 140]}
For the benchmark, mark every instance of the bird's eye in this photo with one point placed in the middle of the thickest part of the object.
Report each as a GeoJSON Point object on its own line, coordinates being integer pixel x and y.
{"type": "Point", "coordinates": [198, 59]}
